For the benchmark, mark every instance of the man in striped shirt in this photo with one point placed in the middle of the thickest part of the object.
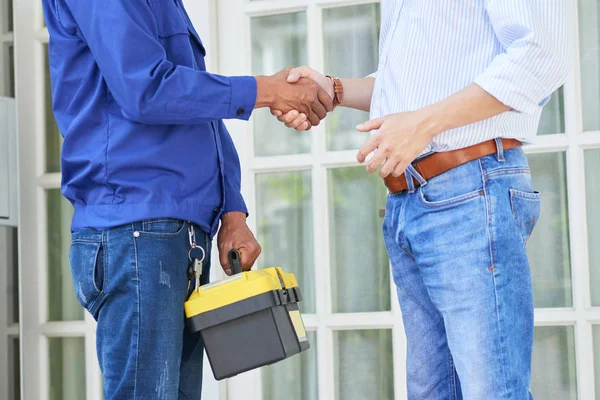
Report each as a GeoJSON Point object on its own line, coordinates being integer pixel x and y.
{"type": "Point", "coordinates": [460, 86]}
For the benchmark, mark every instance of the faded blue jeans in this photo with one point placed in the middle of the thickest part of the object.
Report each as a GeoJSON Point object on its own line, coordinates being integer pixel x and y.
{"type": "Point", "coordinates": [134, 280]}
{"type": "Point", "coordinates": [457, 247]}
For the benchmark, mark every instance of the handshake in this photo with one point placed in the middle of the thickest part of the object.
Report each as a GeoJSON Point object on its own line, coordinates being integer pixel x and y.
{"type": "Point", "coordinates": [298, 97]}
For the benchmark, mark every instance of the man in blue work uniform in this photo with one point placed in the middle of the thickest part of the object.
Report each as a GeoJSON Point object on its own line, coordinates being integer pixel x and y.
{"type": "Point", "coordinates": [152, 173]}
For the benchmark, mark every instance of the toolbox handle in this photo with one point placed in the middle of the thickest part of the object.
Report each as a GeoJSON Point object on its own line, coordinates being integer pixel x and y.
{"type": "Point", "coordinates": [235, 261]}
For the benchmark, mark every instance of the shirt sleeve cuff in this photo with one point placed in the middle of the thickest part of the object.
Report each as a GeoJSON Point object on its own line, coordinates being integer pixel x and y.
{"type": "Point", "coordinates": [234, 202]}
{"type": "Point", "coordinates": [513, 85]}
{"type": "Point", "coordinates": [243, 97]}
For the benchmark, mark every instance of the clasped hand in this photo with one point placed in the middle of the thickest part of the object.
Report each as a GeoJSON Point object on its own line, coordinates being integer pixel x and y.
{"type": "Point", "coordinates": [301, 96]}
{"type": "Point", "coordinates": [398, 138]}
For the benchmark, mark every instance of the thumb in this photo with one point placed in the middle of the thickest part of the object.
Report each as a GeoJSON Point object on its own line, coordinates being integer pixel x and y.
{"type": "Point", "coordinates": [371, 125]}
{"type": "Point", "coordinates": [297, 73]}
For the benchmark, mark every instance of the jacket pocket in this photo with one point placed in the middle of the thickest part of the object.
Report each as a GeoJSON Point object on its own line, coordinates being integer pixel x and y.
{"type": "Point", "coordinates": [526, 211]}
{"type": "Point", "coordinates": [88, 271]}
{"type": "Point", "coordinates": [168, 18]}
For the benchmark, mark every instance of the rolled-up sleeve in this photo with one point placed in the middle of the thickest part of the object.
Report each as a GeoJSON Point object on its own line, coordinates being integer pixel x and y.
{"type": "Point", "coordinates": [536, 60]}
{"type": "Point", "coordinates": [122, 36]}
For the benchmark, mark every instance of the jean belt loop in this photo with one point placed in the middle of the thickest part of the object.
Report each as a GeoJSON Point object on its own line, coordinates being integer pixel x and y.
{"type": "Point", "coordinates": [416, 175]}
{"type": "Point", "coordinates": [410, 184]}
{"type": "Point", "coordinates": [500, 150]}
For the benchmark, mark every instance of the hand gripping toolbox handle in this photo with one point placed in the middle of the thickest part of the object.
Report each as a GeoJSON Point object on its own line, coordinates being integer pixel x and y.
{"type": "Point", "coordinates": [235, 261]}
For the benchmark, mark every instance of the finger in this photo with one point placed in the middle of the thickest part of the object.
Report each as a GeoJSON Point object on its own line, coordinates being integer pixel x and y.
{"type": "Point", "coordinates": [289, 117]}
{"type": "Point", "coordinates": [276, 113]}
{"type": "Point", "coordinates": [297, 73]}
{"type": "Point", "coordinates": [314, 119]}
{"type": "Point", "coordinates": [326, 100]}
{"type": "Point", "coordinates": [319, 109]}
{"type": "Point", "coordinates": [399, 170]}
{"type": "Point", "coordinates": [305, 126]}
{"type": "Point", "coordinates": [376, 162]}
{"type": "Point", "coordinates": [388, 167]}
{"type": "Point", "coordinates": [248, 254]}
{"type": "Point", "coordinates": [224, 259]}
{"type": "Point", "coordinates": [295, 124]}
{"type": "Point", "coordinates": [367, 149]}
{"type": "Point", "coordinates": [371, 125]}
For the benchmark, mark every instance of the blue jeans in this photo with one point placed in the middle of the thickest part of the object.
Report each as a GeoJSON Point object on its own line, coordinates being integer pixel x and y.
{"type": "Point", "coordinates": [457, 247]}
{"type": "Point", "coordinates": [134, 280]}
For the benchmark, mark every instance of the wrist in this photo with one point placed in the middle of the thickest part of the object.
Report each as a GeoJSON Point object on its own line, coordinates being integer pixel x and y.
{"type": "Point", "coordinates": [433, 121]}
{"type": "Point", "coordinates": [234, 218]}
{"type": "Point", "coordinates": [265, 95]}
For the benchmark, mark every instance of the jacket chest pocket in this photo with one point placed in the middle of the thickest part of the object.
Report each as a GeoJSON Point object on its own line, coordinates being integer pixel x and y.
{"type": "Point", "coordinates": [168, 18]}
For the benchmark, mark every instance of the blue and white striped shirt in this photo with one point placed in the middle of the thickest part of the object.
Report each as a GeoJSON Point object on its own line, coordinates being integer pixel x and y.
{"type": "Point", "coordinates": [516, 50]}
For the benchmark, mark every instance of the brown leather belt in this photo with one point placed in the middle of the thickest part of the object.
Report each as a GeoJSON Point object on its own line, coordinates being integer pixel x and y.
{"type": "Point", "coordinates": [438, 163]}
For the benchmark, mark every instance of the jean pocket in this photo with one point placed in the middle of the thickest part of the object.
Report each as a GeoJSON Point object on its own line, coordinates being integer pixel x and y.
{"type": "Point", "coordinates": [165, 227]}
{"type": "Point", "coordinates": [453, 201]}
{"type": "Point", "coordinates": [526, 211]}
{"type": "Point", "coordinates": [88, 271]}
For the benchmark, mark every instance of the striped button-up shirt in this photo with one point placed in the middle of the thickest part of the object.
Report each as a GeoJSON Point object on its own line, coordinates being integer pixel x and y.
{"type": "Point", "coordinates": [516, 50]}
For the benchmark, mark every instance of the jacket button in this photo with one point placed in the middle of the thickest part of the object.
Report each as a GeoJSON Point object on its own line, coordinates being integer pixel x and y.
{"type": "Point", "coordinates": [240, 112]}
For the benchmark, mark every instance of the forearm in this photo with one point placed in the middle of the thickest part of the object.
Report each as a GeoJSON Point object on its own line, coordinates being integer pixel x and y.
{"type": "Point", "coordinates": [468, 106]}
{"type": "Point", "coordinates": [358, 93]}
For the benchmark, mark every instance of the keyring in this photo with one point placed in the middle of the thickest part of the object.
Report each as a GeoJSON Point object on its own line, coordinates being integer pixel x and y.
{"type": "Point", "coordinates": [190, 254]}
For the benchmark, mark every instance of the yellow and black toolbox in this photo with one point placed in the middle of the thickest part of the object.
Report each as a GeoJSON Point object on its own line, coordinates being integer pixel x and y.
{"type": "Point", "coordinates": [248, 320]}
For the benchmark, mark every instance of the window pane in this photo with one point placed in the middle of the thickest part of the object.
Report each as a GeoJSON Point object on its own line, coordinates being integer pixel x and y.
{"type": "Point", "coordinates": [278, 41]}
{"type": "Point", "coordinates": [589, 56]}
{"type": "Point", "coordinates": [363, 365]}
{"type": "Point", "coordinates": [357, 245]}
{"type": "Point", "coordinates": [285, 227]}
{"type": "Point", "coordinates": [10, 15]}
{"type": "Point", "coordinates": [553, 363]}
{"type": "Point", "coordinates": [351, 50]}
{"type": "Point", "coordinates": [294, 378]}
{"type": "Point", "coordinates": [592, 190]}
{"type": "Point", "coordinates": [548, 247]}
{"type": "Point", "coordinates": [596, 333]}
{"type": "Point", "coordinates": [9, 262]}
{"type": "Point", "coordinates": [67, 368]}
{"type": "Point", "coordinates": [553, 116]}
{"type": "Point", "coordinates": [14, 371]}
{"type": "Point", "coordinates": [62, 303]}
{"type": "Point", "coordinates": [54, 139]}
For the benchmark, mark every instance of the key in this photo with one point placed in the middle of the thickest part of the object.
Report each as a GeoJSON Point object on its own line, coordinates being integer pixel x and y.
{"type": "Point", "coordinates": [197, 273]}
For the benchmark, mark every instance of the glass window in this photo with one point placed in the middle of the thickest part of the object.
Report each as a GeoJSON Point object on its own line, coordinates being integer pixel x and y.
{"type": "Point", "coordinates": [278, 41]}
{"type": "Point", "coordinates": [553, 364]}
{"type": "Point", "coordinates": [9, 260]}
{"type": "Point", "coordinates": [553, 116]}
{"type": "Point", "coordinates": [294, 378]}
{"type": "Point", "coordinates": [54, 139]}
{"type": "Point", "coordinates": [548, 247]}
{"type": "Point", "coordinates": [351, 50]}
{"type": "Point", "coordinates": [363, 365]}
{"type": "Point", "coordinates": [592, 190]}
{"type": "Point", "coordinates": [10, 15]}
{"type": "Point", "coordinates": [67, 368]}
{"type": "Point", "coordinates": [285, 227]}
{"type": "Point", "coordinates": [596, 350]}
{"type": "Point", "coordinates": [357, 246]}
{"type": "Point", "coordinates": [62, 303]}
{"type": "Point", "coordinates": [589, 58]}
